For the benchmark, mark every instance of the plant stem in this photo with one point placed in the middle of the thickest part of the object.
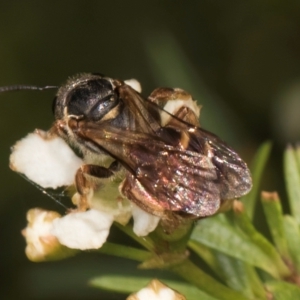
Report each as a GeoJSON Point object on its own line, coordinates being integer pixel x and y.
{"type": "Point", "coordinates": [125, 252]}
{"type": "Point", "coordinates": [186, 269]}
{"type": "Point", "coordinates": [144, 241]}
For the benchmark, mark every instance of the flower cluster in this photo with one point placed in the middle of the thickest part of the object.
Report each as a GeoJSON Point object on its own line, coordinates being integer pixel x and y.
{"type": "Point", "coordinates": [49, 162]}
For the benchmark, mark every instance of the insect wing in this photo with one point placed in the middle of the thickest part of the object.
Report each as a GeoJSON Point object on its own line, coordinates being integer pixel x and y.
{"type": "Point", "coordinates": [193, 180]}
{"type": "Point", "coordinates": [232, 172]}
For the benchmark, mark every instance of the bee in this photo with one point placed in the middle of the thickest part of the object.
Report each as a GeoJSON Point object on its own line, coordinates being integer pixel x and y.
{"type": "Point", "coordinates": [171, 167]}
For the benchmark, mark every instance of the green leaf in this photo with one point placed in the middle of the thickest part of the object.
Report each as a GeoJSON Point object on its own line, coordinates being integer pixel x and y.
{"type": "Point", "coordinates": [191, 273]}
{"type": "Point", "coordinates": [208, 255]}
{"type": "Point", "coordinates": [298, 156]}
{"type": "Point", "coordinates": [273, 211]}
{"type": "Point", "coordinates": [128, 285]}
{"type": "Point", "coordinates": [257, 167]}
{"type": "Point", "coordinates": [292, 179]}
{"type": "Point", "coordinates": [259, 240]}
{"type": "Point", "coordinates": [282, 290]}
{"type": "Point", "coordinates": [146, 241]}
{"type": "Point", "coordinates": [292, 234]}
{"type": "Point", "coordinates": [219, 235]}
{"type": "Point", "coordinates": [240, 276]}
{"type": "Point", "coordinates": [237, 274]}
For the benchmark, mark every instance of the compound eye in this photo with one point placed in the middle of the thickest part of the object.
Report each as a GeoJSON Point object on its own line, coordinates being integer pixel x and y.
{"type": "Point", "coordinates": [103, 107]}
{"type": "Point", "coordinates": [92, 99]}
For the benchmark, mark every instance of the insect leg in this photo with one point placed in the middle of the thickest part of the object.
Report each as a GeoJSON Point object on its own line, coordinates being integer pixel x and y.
{"type": "Point", "coordinates": [186, 114]}
{"type": "Point", "coordinates": [88, 178]}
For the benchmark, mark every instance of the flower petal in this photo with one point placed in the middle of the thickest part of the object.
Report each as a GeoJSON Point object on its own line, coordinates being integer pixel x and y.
{"type": "Point", "coordinates": [156, 290]}
{"type": "Point", "coordinates": [175, 104]}
{"type": "Point", "coordinates": [134, 84]}
{"type": "Point", "coordinates": [83, 230]}
{"type": "Point", "coordinates": [42, 245]}
{"type": "Point", "coordinates": [144, 223]}
{"type": "Point", "coordinates": [49, 162]}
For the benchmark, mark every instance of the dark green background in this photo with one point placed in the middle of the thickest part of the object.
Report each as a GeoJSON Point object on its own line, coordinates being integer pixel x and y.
{"type": "Point", "coordinates": [240, 59]}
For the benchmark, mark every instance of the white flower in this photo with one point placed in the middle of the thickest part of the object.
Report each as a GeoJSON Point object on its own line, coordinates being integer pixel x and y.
{"type": "Point", "coordinates": [109, 200]}
{"type": "Point", "coordinates": [172, 106]}
{"type": "Point", "coordinates": [50, 162]}
{"type": "Point", "coordinates": [47, 161]}
{"type": "Point", "coordinates": [41, 243]}
{"type": "Point", "coordinates": [83, 230]}
{"type": "Point", "coordinates": [144, 223]}
{"type": "Point", "coordinates": [134, 84]}
{"type": "Point", "coordinates": [156, 291]}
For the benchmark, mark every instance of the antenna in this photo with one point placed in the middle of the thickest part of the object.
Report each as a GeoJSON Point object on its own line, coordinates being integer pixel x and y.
{"type": "Point", "coordinates": [11, 88]}
{"type": "Point", "coordinates": [22, 87]}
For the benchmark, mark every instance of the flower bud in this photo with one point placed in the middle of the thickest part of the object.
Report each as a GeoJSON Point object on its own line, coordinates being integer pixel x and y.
{"type": "Point", "coordinates": [134, 84]}
{"type": "Point", "coordinates": [156, 291]}
{"type": "Point", "coordinates": [47, 161]}
{"type": "Point", "coordinates": [144, 223]}
{"type": "Point", "coordinates": [83, 230]}
{"type": "Point", "coordinates": [42, 245]}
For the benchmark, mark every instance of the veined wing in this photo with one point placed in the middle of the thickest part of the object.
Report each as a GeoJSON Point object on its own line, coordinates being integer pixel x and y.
{"type": "Point", "coordinates": [192, 180]}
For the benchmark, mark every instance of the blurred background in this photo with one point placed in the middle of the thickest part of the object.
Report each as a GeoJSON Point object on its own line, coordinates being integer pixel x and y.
{"type": "Point", "coordinates": [239, 59]}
